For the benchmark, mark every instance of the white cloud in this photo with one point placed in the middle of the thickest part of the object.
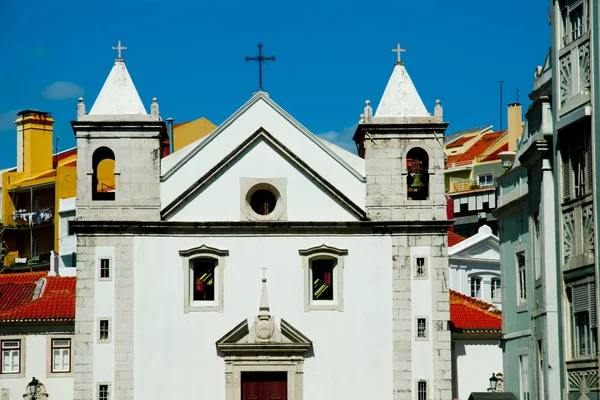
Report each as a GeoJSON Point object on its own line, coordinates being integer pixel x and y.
{"type": "Point", "coordinates": [7, 120]}
{"type": "Point", "coordinates": [63, 90]}
{"type": "Point", "coordinates": [342, 138]}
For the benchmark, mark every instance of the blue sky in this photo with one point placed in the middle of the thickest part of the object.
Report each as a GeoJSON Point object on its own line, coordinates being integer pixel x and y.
{"type": "Point", "coordinates": [331, 57]}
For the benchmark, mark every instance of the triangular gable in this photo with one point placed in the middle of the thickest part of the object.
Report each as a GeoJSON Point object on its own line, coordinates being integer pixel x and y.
{"type": "Point", "coordinates": [286, 153]}
{"type": "Point", "coordinates": [483, 243]}
{"type": "Point", "coordinates": [170, 168]}
{"type": "Point", "coordinates": [242, 338]}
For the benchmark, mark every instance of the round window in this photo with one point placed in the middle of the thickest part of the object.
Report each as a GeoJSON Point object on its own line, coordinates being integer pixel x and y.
{"type": "Point", "coordinates": [263, 201]}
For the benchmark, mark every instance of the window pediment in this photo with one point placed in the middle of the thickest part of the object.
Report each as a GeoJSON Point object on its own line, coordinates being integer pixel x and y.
{"type": "Point", "coordinates": [323, 249]}
{"type": "Point", "coordinates": [203, 250]}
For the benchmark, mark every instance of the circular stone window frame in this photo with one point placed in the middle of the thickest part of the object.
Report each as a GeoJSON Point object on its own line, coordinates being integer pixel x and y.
{"type": "Point", "coordinates": [277, 186]}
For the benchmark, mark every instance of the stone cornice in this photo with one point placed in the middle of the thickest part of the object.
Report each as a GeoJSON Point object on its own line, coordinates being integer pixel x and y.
{"type": "Point", "coordinates": [263, 227]}
{"type": "Point", "coordinates": [203, 250]}
{"type": "Point", "coordinates": [323, 249]}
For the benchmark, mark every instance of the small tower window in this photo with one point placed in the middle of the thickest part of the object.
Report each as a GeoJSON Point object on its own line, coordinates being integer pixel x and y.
{"type": "Point", "coordinates": [417, 165]}
{"type": "Point", "coordinates": [103, 176]}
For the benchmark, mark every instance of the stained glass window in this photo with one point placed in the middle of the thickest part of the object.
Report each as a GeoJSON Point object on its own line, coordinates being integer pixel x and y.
{"type": "Point", "coordinates": [203, 273]}
{"type": "Point", "coordinates": [322, 278]}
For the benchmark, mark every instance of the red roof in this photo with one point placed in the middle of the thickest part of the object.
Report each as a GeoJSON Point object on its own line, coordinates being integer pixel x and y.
{"type": "Point", "coordinates": [454, 238]}
{"type": "Point", "coordinates": [467, 313]}
{"type": "Point", "coordinates": [476, 149]}
{"type": "Point", "coordinates": [459, 142]}
{"type": "Point", "coordinates": [494, 156]}
{"type": "Point", "coordinates": [57, 302]}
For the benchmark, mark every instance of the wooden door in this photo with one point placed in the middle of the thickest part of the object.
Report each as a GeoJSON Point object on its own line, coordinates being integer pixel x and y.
{"type": "Point", "coordinates": [264, 386]}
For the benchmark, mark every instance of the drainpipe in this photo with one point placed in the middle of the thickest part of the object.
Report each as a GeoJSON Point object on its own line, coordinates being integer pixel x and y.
{"type": "Point", "coordinates": [171, 138]}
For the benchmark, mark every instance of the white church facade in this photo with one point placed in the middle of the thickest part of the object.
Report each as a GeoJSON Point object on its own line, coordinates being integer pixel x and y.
{"type": "Point", "coordinates": [261, 262]}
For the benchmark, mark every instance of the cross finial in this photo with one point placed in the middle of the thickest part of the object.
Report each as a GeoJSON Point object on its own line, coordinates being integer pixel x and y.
{"type": "Point", "coordinates": [118, 47]}
{"type": "Point", "coordinates": [260, 59]}
{"type": "Point", "coordinates": [264, 275]}
{"type": "Point", "coordinates": [399, 50]}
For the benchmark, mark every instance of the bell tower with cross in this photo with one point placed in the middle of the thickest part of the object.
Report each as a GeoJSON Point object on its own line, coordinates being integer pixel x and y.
{"type": "Point", "coordinates": [402, 145]}
{"type": "Point", "coordinates": [119, 148]}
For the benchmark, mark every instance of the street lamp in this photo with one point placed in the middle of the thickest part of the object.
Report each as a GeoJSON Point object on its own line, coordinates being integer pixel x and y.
{"type": "Point", "coordinates": [33, 385]}
{"type": "Point", "coordinates": [493, 382]}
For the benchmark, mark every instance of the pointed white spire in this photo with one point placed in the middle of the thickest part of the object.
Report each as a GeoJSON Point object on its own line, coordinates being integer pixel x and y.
{"type": "Point", "coordinates": [118, 95]}
{"type": "Point", "coordinates": [400, 98]}
{"type": "Point", "coordinates": [263, 308]}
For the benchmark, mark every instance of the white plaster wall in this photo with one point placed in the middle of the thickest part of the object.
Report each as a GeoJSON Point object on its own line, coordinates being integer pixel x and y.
{"type": "Point", "coordinates": [173, 349]}
{"type": "Point", "coordinates": [221, 200]}
{"type": "Point", "coordinates": [260, 115]}
{"type": "Point", "coordinates": [37, 364]}
{"type": "Point", "coordinates": [104, 308]}
{"type": "Point", "coordinates": [476, 360]}
{"type": "Point", "coordinates": [67, 244]}
{"type": "Point", "coordinates": [422, 350]}
{"type": "Point", "coordinates": [460, 278]}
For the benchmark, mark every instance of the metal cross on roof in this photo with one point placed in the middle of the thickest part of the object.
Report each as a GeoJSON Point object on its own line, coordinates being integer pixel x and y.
{"type": "Point", "coordinates": [118, 47]}
{"type": "Point", "coordinates": [399, 50]}
{"type": "Point", "coordinates": [264, 274]}
{"type": "Point", "coordinates": [261, 59]}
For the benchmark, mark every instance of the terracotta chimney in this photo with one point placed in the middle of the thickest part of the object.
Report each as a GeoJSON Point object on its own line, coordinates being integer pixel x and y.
{"type": "Point", "coordinates": [515, 125]}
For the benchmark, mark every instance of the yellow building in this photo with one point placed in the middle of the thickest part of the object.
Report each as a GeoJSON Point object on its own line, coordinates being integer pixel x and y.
{"type": "Point", "coordinates": [31, 193]}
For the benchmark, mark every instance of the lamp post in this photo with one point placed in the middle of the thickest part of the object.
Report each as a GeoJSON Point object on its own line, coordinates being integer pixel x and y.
{"type": "Point", "coordinates": [32, 387]}
{"type": "Point", "coordinates": [493, 382]}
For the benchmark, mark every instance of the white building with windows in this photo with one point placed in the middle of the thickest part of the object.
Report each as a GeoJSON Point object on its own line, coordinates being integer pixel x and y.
{"type": "Point", "coordinates": [475, 267]}
{"type": "Point", "coordinates": [36, 335]}
{"type": "Point", "coordinates": [261, 260]}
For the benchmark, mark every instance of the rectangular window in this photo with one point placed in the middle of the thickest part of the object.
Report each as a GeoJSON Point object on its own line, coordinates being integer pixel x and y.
{"type": "Point", "coordinates": [540, 378]}
{"type": "Point", "coordinates": [422, 390]}
{"type": "Point", "coordinates": [322, 278]}
{"type": "Point", "coordinates": [577, 168]}
{"type": "Point", "coordinates": [485, 180]}
{"type": "Point", "coordinates": [11, 356]}
{"type": "Point", "coordinates": [203, 279]}
{"type": "Point", "coordinates": [103, 392]}
{"type": "Point", "coordinates": [537, 248]}
{"type": "Point", "coordinates": [584, 320]}
{"type": "Point", "coordinates": [476, 287]}
{"type": "Point", "coordinates": [524, 378]}
{"type": "Point", "coordinates": [104, 329]}
{"type": "Point", "coordinates": [104, 268]}
{"type": "Point", "coordinates": [420, 268]}
{"type": "Point", "coordinates": [422, 328]}
{"type": "Point", "coordinates": [496, 290]}
{"type": "Point", "coordinates": [522, 279]}
{"type": "Point", "coordinates": [61, 355]}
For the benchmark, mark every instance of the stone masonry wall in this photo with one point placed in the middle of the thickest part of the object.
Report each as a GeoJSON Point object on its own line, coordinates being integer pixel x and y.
{"type": "Point", "coordinates": [85, 319]}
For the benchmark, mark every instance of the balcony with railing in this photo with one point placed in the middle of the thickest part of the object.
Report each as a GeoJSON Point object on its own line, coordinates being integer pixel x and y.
{"type": "Point", "coordinates": [468, 185]}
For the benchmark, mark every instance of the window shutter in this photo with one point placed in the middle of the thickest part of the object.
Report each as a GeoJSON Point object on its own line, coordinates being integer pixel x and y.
{"type": "Point", "coordinates": [566, 178]}
{"type": "Point", "coordinates": [589, 167]}
{"type": "Point", "coordinates": [581, 298]}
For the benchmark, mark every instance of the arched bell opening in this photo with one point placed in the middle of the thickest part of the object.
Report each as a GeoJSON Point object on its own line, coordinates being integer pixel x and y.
{"type": "Point", "coordinates": [417, 166]}
{"type": "Point", "coordinates": [103, 177]}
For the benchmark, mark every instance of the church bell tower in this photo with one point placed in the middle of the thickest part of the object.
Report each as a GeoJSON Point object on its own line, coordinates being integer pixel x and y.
{"type": "Point", "coordinates": [402, 145]}
{"type": "Point", "coordinates": [118, 152]}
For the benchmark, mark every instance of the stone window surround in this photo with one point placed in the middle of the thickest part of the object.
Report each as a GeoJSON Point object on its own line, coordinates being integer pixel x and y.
{"type": "Point", "coordinates": [520, 248]}
{"type": "Point", "coordinates": [111, 267]}
{"type": "Point", "coordinates": [49, 359]}
{"type": "Point", "coordinates": [22, 354]}
{"type": "Point", "coordinates": [97, 394]}
{"type": "Point", "coordinates": [188, 257]}
{"type": "Point", "coordinates": [320, 252]}
{"type": "Point", "coordinates": [110, 330]}
{"type": "Point", "coordinates": [427, 391]}
{"type": "Point", "coordinates": [250, 185]}
{"type": "Point", "coordinates": [417, 338]}
{"type": "Point", "coordinates": [293, 366]}
{"type": "Point", "coordinates": [425, 275]}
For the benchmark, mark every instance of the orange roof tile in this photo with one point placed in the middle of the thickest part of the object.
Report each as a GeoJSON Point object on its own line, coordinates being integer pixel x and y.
{"type": "Point", "coordinates": [459, 142]}
{"type": "Point", "coordinates": [57, 302]}
{"type": "Point", "coordinates": [467, 313]}
{"type": "Point", "coordinates": [454, 238]}
{"type": "Point", "coordinates": [494, 156]}
{"type": "Point", "coordinates": [476, 149]}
